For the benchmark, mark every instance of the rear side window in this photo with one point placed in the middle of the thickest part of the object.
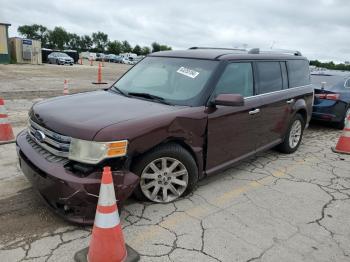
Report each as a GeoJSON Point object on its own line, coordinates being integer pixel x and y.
{"type": "Point", "coordinates": [298, 73]}
{"type": "Point", "coordinates": [269, 77]}
{"type": "Point", "coordinates": [236, 79]}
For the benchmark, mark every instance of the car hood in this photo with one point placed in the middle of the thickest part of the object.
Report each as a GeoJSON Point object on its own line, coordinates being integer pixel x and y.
{"type": "Point", "coordinates": [83, 115]}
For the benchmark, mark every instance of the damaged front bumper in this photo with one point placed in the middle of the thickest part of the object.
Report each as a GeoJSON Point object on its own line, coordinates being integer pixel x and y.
{"type": "Point", "coordinates": [71, 196]}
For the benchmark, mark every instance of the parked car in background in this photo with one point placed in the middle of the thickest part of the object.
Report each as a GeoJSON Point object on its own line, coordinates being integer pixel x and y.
{"type": "Point", "coordinates": [112, 58]}
{"type": "Point", "coordinates": [332, 97]}
{"type": "Point", "coordinates": [135, 60]}
{"type": "Point", "coordinates": [101, 57]}
{"type": "Point", "coordinates": [172, 119]}
{"type": "Point", "coordinates": [119, 59]}
{"type": "Point", "coordinates": [60, 58]}
{"type": "Point", "coordinates": [127, 60]}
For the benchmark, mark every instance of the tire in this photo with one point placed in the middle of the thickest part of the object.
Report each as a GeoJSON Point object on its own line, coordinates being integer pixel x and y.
{"type": "Point", "coordinates": [288, 146]}
{"type": "Point", "coordinates": [340, 125]}
{"type": "Point", "coordinates": [165, 178]}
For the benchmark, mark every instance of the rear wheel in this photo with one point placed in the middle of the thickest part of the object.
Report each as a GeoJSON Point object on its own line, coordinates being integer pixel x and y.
{"type": "Point", "coordinates": [293, 136]}
{"type": "Point", "coordinates": [166, 173]}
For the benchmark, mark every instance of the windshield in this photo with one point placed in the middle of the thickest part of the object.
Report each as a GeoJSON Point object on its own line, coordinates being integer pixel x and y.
{"type": "Point", "coordinates": [176, 80]}
{"type": "Point", "coordinates": [62, 55]}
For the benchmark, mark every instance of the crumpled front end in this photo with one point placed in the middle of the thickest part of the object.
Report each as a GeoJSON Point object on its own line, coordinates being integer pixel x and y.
{"type": "Point", "coordinates": [70, 191]}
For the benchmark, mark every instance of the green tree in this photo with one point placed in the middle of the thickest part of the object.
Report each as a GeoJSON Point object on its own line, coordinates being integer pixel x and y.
{"type": "Point", "coordinates": [58, 38]}
{"type": "Point", "coordinates": [100, 41]}
{"type": "Point", "coordinates": [155, 47]}
{"type": "Point", "coordinates": [145, 50]}
{"type": "Point", "coordinates": [126, 47]}
{"type": "Point", "coordinates": [165, 48]}
{"type": "Point", "coordinates": [137, 50]}
{"type": "Point", "coordinates": [330, 65]}
{"type": "Point", "coordinates": [115, 47]}
{"type": "Point", "coordinates": [74, 42]}
{"type": "Point", "coordinates": [85, 43]}
{"type": "Point", "coordinates": [35, 31]}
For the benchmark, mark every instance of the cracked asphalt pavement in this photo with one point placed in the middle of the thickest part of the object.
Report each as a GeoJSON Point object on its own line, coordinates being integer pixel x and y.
{"type": "Point", "coordinates": [273, 207]}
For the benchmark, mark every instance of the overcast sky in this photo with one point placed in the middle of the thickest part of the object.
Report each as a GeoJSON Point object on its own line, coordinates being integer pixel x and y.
{"type": "Point", "coordinates": [318, 28]}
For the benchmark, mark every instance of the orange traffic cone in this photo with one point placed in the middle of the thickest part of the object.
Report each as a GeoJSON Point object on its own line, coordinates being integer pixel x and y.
{"type": "Point", "coordinates": [107, 240]}
{"type": "Point", "coordinates": [6, 133]}
{"type": "Point", "coordinates": [343, 145]}
{"type": "Point", "coordinates": [99, 76]}
{"type": "Point", "coordinates": [65, 87]}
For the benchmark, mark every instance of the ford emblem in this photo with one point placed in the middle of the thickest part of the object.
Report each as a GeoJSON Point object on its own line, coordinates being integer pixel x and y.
{"type": "Point", "coordinates": [40, 136]}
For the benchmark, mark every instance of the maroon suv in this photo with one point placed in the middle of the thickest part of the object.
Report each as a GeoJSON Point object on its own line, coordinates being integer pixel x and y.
{"type": "Point", "coordinates": [174, 118]}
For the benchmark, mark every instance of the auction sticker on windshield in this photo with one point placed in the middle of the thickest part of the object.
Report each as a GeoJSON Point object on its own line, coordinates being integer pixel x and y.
{"type": "Point", "coordinates": [187, 72]}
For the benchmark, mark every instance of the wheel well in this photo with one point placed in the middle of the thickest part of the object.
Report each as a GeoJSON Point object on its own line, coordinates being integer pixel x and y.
{"type": "Point", "coordinates": [303, 113]}
{"type": "Point", "coordinates": [169, 141]}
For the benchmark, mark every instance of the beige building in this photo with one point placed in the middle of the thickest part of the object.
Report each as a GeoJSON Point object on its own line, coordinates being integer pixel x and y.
{"type": "Point", "coordinates": [25, 51]}
{"type": "Point", "coordinates": [4, 44]}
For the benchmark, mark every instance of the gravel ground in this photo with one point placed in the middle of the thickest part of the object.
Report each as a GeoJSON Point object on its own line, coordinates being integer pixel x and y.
{"type": "Point", "coordinates": [270, 208]}
{"type": "Point", "coordinates": [33, 81]}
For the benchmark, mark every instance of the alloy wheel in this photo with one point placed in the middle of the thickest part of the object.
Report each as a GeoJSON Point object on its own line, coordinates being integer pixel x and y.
{"type": "Point", "coordinates": [295, 134]}
{"type": "Point", "coordinates": [164, 180]}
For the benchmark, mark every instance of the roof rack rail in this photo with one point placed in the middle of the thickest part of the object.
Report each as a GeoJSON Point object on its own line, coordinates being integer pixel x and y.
{"type": "Point", "coordinates": [219, 48]}
{"type": "Point", "coordinates": [276, 51]}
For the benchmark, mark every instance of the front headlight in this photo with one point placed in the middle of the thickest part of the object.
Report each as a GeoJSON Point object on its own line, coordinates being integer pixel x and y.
{"type": "Point", "coordinates": [91, 152]}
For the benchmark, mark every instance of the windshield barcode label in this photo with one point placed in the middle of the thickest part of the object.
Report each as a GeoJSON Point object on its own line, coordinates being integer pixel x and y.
{"type": "Point", "coordinates": [187, 72]}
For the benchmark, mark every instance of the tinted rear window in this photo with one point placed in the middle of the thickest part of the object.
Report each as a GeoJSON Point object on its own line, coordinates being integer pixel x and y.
{"type": "Point", "coordinates": [236, 79]}
{"type": "Point", "coordinates": [269, 77]}
{"type": "Point", "coordinates": [298, 73]}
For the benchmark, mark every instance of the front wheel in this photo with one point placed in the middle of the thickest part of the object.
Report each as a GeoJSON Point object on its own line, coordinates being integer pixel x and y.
{"type": "Point", "coordinates": [166, 173]}
{"type": "Point", "coordinates": [293, 136]}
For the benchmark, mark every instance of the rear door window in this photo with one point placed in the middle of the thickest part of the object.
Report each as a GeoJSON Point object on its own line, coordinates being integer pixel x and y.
{"type": "Point", "coordinates": [236, 79]}
{"type": "Point", "coordinates": [298, 73]}
{"type": "Point", "coordinates": [269, 77]}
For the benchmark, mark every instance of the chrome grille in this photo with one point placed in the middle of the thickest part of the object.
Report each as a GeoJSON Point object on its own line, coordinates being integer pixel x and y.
{"type": "Point", "coordinates": [46, 154]}
{"type": "Point", "coordinates": [52, 142]}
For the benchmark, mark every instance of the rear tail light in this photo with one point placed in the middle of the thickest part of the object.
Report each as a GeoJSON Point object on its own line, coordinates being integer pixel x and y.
{"type": "Point", "coordinates": [328, 96]}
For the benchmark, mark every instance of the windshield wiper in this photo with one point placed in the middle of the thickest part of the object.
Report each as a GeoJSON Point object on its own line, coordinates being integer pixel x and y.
{"type": "Point", "coordinates": [114, 88]}
{"type": "Point", "coordinates": [149, 96]}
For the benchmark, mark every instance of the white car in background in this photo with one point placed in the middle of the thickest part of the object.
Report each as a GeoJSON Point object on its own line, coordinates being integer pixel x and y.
{"type": "Point", "coordinates": [60, 58]}
{"type": "Point", "coordinates": [127, 61]}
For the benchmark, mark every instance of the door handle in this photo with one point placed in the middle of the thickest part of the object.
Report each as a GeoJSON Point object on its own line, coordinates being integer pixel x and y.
{"type": "Point", "coordinates": [255, 111]}
{"type": "Point", "coordinates": [290, 101]}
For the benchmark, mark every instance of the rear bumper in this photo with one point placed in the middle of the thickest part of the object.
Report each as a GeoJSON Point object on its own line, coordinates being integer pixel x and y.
{"type": "Point", "coordinates": [72, 197]}
{"type": "Point", "coordinates": [329, 113]}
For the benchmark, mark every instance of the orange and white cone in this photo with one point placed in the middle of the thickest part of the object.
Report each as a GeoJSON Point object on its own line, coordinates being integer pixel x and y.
{"type": "Point", "coordinates": [107, 242]}
{"type": "Point", "coordinates": [65, 87]}
{"type": "Point", "coordinates": [343, 145]}
{"type": "Point", "coordinates": [99, 75]}
{"type": "Point", "coordinates": [6, 132]}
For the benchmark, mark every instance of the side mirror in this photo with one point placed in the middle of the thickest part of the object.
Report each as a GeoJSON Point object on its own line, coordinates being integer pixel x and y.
{"type": "Point", "coordinates": [229, 100]}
